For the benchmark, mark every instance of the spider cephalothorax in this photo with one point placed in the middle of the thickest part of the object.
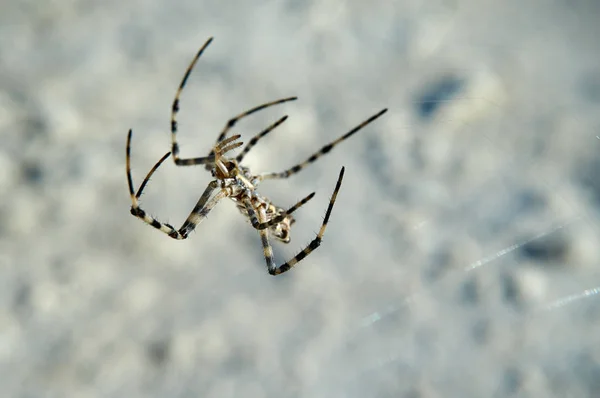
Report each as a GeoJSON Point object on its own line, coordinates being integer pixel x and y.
{"type": "Point", "coordinates": [234, 181]}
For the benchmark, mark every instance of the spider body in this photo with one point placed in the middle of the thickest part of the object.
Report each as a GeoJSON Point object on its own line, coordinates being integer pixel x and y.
{"type": "Point", "coordinates": [242, 185]}
{"type": "Point", "coordinates": [236, 182]}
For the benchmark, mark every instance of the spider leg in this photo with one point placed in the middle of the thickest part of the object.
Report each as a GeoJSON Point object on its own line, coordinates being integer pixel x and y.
{"type": "Point", "coordinates": [232, 122]}
{"type": "Point", "coordinates": [257, 137]}
{"type": "Point", "coordinates": [128, 169]}
{"type": "Point", "coordinates": [321, 152]}
{"type": "Point", "coordinates": [202, 208]}
{"type": "Point", "coordinates": [175, 109]}
{"type": "Point", "coordinates": [316, 242]}
{"type": "Point", "coordinates": [220, 149]}
{"type": "Point", "coordinates": [276, 220]}
{"type": "Point", "coordinates": [267, 248]}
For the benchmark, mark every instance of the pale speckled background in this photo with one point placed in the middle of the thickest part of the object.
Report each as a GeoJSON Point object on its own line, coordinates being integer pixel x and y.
{"type": "Point", "coordinates": [418, 289]}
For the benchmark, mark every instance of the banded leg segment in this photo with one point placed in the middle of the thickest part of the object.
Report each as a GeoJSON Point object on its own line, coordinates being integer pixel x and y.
{"type": "Point", "coordinates": [257, 137]}
{"type": "Point", "coordinates": [254, 219]}
{"type": "Point", "coordinates": [316, 242]}
{"type": "Point", "coordinates": [321, 152]}
{"type": "Point", "coordinates": [175, 109]}
{"type": "Point", "coordinates": [232, 122]}
{"type": "Point", "coordinates": [202, 208]}
{"type": "Point", "coordinates": [219, 150]}
{"type": "Point", "coordinates": [266, 245]}
{"type": "Point", "coordinates": [135, 197]}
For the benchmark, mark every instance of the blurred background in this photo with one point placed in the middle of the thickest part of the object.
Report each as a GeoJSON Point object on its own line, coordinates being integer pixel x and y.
{"type": "Point", "coordinates": [461, 259]}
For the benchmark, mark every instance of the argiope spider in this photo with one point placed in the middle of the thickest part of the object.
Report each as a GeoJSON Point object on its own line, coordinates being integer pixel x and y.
{"type": "Point", "coordinates": [236, 182]}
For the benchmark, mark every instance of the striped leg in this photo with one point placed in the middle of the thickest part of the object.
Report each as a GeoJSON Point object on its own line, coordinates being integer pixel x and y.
{"type": "Point", "coordinates": [175, 109]}
{"type": "Point", "coordinates": [202, 208]}
{"type": "Point", "coordinates": [232, 122]}
{"type": "Point", "coordinates": [262, 225]}
{"type": "Point", "coordinates": [257, 137]}
{"type": "Point", "coordinates": [268, 251]}
{"type": "Point", "coordinates": [220, 149]}
{"type": "Point", "coordinates": [321, 152]}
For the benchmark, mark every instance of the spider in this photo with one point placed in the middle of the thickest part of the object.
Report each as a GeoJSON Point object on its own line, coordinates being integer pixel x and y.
{"type": "Point", "coordinates": [234, 181]}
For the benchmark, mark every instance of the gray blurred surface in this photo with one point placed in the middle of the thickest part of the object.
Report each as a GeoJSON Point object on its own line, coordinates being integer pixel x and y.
{"type": "Point", "coordinates": [461, 258]}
